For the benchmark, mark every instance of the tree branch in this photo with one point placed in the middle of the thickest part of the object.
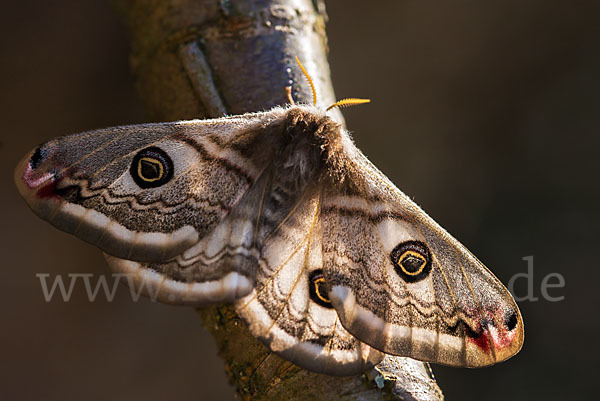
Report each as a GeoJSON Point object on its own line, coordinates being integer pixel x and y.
{"type": "Point", "coordinates": [205, 58]}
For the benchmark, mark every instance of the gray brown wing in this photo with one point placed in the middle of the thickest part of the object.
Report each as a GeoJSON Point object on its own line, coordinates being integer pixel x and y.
{"type": "Point", "coordinates": [402, 284]}
{"type": "Point", "coordinates": [285, 309]}
{"type": "Point", "coordinates": [148, 192]}
{"type": "Point", "coordinates": [221, 267]}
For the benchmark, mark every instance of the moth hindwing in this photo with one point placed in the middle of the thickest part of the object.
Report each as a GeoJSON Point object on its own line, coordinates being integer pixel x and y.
{"type": "Point", "coordinates": [328, 263]}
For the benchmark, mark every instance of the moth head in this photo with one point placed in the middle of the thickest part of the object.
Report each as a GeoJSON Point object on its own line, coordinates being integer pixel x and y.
{"type": "Point", "coordinates": [129, 190]}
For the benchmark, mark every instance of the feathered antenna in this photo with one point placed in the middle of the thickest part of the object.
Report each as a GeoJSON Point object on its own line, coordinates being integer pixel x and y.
{"type": "Point", "coordinates": [308, 78]}
{"type": "Point", "coordinates": [351, 101]}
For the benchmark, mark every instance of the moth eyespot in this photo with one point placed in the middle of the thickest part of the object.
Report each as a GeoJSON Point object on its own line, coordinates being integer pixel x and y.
{"type": "Point", "coordinates": [411, 260]}
{"type": "Point", "coordinates": [511, 321]}
{"type": "Point", "coordinates": [317, 289]}
{"type": "Point", "coordinates": [151, 168]}
{"type": "Point", "coordinates": [412, 263]}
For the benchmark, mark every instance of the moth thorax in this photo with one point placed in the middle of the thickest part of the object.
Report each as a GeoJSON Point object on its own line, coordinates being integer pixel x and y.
{"type": "Point", "coordinates": [305, 138]}
{"type": "Point", "coordinates": [311, 139]}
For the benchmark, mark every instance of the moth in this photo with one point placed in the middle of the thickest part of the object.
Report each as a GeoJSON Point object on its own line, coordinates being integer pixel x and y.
{"type": "Point", "coordinates": [277, 212]}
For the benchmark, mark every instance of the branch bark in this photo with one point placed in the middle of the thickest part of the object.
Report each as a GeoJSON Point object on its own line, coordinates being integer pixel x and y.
{"type": "Point", "coordinates": [205, 58]}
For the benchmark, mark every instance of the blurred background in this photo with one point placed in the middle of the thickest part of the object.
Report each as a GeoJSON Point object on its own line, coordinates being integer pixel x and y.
{"type": "Point", "coordinates": [486, 113]}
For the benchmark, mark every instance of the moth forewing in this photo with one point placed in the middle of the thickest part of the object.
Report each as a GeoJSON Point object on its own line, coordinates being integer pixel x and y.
{"type": "Point", "coordinates": [403, 285]}
{"type": "Point", "coordinates": [89, 185]}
